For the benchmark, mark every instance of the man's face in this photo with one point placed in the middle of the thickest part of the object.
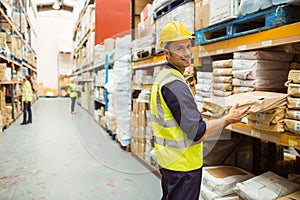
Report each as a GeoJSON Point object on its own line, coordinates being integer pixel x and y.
{"type": "Point", "coordinates": [179, 53]}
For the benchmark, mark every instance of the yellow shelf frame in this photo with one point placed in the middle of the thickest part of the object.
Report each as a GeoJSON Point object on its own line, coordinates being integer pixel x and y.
{"type": "Point", "coordinates": [273, 37]}
{"type": "Point", "coordinates": [149, 62]}
{"type": "Point", "coordinates": [284, 139]}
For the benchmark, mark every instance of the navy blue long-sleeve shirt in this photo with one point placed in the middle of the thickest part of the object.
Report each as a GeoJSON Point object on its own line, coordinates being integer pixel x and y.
{"type": "Point", "coordinates": [181, 102]}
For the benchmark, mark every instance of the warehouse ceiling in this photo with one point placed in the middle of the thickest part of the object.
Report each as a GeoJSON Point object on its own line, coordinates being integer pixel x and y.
{"type": "Point", "coordinates": [46, 5]}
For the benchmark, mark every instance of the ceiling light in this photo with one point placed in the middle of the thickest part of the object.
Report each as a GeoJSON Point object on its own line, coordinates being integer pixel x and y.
{"type": "Point", "coordinates": [57, 4]}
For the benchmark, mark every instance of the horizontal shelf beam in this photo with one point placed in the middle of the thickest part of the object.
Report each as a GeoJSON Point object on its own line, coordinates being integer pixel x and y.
{"type": "Point", "coordinates": [285, 139]}
{"type": "Point", "coordinates": [149, 62]}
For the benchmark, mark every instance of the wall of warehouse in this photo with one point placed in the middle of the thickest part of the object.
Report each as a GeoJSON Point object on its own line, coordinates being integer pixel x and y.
{"type": "Point", "coordinates": [55, 30]}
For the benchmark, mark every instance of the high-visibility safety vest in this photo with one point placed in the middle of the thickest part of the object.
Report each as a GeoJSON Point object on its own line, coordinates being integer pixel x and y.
{"type": "Point", "coordinates": [27, 92]}
{"type": "Point", "coordinates": [72, 90]}
{"type": "Point", "coordinates": [174, 151]}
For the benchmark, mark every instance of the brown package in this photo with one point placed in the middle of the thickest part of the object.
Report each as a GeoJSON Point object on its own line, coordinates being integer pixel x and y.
{"type": "Point", "coordinates": [222, 72]}
{"type": "Point", "coordinates": [222, 86]}
{"type": "Point", "coordinates": [292, 125]}
{"type": "Point", "coordinates": [222, 64]}
{"type": "Point", "coordinates": [293, 114]}
{"type": "Point", "coordinates": [260, 101]}
{"type": "Point", "coordinates": [293, 103]}
{"type": "Point", "coordinates": [269, 117]}
{"type": "Point", "coordinates": [294, 90]}
{"type": "Point", "coordinates": [278, 127]}
{"type": "Point", "coordinates": [237, 89]}
{"type": "Point", "coordinates": [294, 76]}
{"type": "Point", "coordinates": [222, 79]}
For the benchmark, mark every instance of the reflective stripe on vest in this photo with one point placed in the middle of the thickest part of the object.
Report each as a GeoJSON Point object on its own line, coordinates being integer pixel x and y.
{"type": "Point", "coordinates": [174, 151]}
{"type": "Point", "coordinates": [174, 144]}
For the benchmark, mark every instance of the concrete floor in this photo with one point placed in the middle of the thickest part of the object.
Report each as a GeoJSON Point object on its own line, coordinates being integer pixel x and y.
{"type": "Point", "coordinates": [68, 157]}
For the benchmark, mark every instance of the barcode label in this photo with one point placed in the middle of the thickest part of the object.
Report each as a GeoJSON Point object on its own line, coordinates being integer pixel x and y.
{"type": "Point", "coordinates": [292, 143]}
{"type": "Point", "coordinates": [297, 115]}
{"type": "Point", "coordinates": [255, 133]}
{"type": "Point", "coordinates": [242, 47]}
{"type": "Point", "coordinates": [244, 89]}
{"type": "Point", "coordinates": [261, 115]}
{"type": "Point", "coordinates": [297, 126]}
{"type": "Point", "coordinates": [220, 51]}
{"type": "Point", "coordinates": [258, 123]}
{"type": "Point", "coordinates": [266, 43]}
{"type": "Point", "coordinates": [298, 103]}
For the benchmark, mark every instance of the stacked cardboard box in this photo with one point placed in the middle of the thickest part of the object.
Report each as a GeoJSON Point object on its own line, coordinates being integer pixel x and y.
{"type": "Point", "coordinates": [3, 104]}
{"type": "Point", "coordinates": [138, 127]}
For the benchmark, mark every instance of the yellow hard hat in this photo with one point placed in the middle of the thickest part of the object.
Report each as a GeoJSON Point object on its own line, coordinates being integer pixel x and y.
{"type": "Point", "coordinates": [173, 31]}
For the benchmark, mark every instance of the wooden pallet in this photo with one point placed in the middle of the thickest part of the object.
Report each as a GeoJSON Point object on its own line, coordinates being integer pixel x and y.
{"type": "Point", "coordinates": [168, 8]}
{"type": "Point", "coordinates": [256, 22]}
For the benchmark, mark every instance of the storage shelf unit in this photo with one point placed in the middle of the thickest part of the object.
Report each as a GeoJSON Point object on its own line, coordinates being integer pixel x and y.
{"type": "Point", "coordinates": [273, 37]}
{"type": "Point", "coordinates": [278, 36]}
{"type": "Point", "coordinates": [27, 17]}
{"type": "Point", "coordinates": [24, 61]}
{"type": "Point", "coordinates": [16, 31]}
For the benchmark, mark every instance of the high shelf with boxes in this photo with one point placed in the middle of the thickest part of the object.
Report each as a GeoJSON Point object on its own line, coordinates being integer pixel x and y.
{"type": "Point", "coordinates": [250, 50]}
{"type": "Point", "coordinates": [101, 57]}
{"type": "Point", "coordinates": [17, 55]}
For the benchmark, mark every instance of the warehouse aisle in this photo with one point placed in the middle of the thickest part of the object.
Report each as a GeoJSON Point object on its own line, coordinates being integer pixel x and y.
{"type": "Point", "coordinates": [68, 157]}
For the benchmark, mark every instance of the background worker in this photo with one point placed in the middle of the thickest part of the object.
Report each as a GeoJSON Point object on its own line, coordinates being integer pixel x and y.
{"type": "Point", "coordinates": [178, 127]}
{"type": "Point", "coordinates": [27, 92]}
{"type": "Point", "coordinates": [73, 95]}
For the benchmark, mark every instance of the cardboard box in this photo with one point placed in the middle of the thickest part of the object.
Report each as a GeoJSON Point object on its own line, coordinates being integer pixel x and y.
{"type": "Point", "coordinates": [223, 10]}
{"type": "Point", "coordinates": [201, 14]}
{"type": "Point", "coordinates": [142, 120]}
{"type": "Point", "coordinates": [2, 40]}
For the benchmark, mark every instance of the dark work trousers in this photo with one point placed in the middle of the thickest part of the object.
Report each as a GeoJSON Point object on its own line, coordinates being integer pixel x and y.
{"type": "Point", "coordinates": [73, 100]}
{"type": "Point", "coordinates": [181, 185]}
{"type": "Point", "coordinates": [27, 110]}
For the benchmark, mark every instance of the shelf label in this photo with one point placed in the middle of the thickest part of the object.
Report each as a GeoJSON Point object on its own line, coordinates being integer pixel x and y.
{"type": "Point", "coordinates": [292, 143]}
{"type": "Point", "coordinates": [242, 47]}
{"type": "Point", "coordinates": [266, 43]}
{"type": "Point", "coordinates": [220, 51]}
{"type": "Point", "coordinates": [204, 54]}
{"type": "Point", "coordinates": [255, 133]}
{"type": "Point", "coordinates": [229, 126]}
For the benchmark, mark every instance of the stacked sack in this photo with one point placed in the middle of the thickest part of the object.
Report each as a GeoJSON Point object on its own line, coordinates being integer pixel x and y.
{"type": "Point", "coordinates": [266, 186]}
{"type": "Point", "coordinates": [220, 181]}
{"type": "Point", "coordinates": [222, 78]}
{"type": "Point", "coordinates": [203, 86]}
{"type": "Point", "coordinates": [260, 70]}
{"type": "Point", "coordinates": [292, 121]}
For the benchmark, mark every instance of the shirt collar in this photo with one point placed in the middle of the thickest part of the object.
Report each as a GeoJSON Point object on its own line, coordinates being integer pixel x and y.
{"type": "Point", "coordinates": [169, 65]}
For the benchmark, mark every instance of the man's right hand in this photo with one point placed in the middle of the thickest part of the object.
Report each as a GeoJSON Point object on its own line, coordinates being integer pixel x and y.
{"type": "Point", "coordinates": [236, 114]}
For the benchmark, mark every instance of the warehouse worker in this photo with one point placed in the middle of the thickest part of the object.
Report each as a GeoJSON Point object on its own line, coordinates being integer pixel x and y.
{"type": "Point", "coordinates": [27, 92]}
{"type": "Point", "coordinates": [178, 127]}
{"type": "Point", "coordinates": [73, 95]}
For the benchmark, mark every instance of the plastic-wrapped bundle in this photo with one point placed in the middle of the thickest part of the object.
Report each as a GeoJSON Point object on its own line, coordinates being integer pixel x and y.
{"type": "Point", "coordinates": [249, 6]}
{"type": "Point", "coordinates": [266, 186]}
{"type": "Point", "coordinates": [265, 4]}
{"type": "Point", "coordinates": [277, 2]}
{"type": "Point", "coordinates": [123, 47]}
